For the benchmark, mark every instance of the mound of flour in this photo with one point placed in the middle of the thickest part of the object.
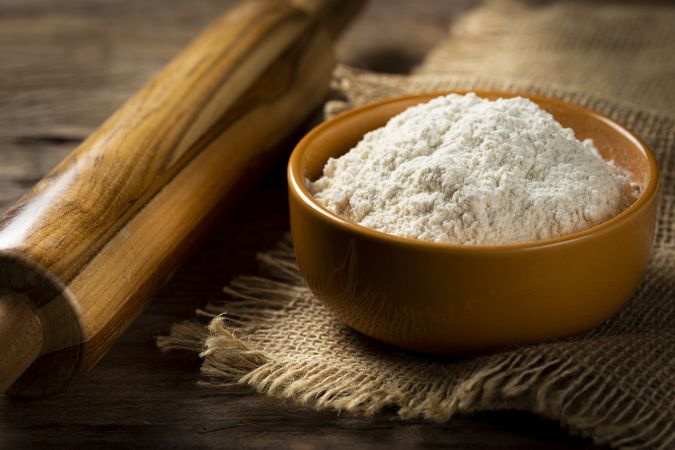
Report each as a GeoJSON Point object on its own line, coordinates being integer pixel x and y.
{"type": "Point", "coordinates": [464, 170]}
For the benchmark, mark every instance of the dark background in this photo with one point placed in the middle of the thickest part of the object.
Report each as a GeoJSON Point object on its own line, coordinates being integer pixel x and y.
{"type": "Point", "coordinates": [66, 65]}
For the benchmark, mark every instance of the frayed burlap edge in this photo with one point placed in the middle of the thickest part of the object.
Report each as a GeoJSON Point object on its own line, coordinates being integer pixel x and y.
{"type": "Point", "coordinates": [549, 387]}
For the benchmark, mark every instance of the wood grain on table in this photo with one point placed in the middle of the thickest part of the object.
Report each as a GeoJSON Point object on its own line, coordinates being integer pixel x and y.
{"type": "Point", "coordinates": [66, 66]}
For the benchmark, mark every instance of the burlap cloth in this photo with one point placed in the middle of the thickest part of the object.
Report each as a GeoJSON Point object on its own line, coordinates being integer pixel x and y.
{"type": "Point", "coordinates": [615, 384]}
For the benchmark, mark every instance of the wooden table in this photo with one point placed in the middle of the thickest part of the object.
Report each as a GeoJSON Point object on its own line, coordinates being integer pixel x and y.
{"type": "Point", "coordinates": [66, 66]}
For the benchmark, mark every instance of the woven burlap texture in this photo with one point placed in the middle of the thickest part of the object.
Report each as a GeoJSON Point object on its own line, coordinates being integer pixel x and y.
{"type": "Point", "coordinates": [615, 384]}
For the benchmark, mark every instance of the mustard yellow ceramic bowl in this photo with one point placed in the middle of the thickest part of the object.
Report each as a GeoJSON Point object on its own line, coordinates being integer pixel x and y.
{"type": "Point", "coordinates": [454, 299]}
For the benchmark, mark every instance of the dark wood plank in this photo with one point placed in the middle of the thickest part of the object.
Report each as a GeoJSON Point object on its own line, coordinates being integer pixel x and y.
{"type": "Point", "coordinates": [66, 66]}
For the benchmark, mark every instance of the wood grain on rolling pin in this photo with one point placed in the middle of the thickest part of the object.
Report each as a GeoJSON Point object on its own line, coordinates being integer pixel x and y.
{"type": "Point", "coordinates": [106, 226]}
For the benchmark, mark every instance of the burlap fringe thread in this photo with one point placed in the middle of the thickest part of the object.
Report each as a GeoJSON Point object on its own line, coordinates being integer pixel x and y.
{"type": "Point", "coordinates": [228, 359]}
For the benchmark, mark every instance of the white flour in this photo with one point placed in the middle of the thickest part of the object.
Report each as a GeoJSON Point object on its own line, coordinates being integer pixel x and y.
{"type": "Point", "coordinates": [464, 170]}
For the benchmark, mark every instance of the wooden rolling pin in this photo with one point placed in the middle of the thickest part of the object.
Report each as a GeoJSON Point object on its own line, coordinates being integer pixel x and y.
{"type": "Point", "coordinates": [82, 252]}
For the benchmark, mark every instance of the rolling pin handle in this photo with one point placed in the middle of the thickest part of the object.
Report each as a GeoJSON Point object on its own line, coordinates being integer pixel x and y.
{"type": "Point", "coordinates": [21, 335]}
{"type": "Point", "coordinates": [331, 15]}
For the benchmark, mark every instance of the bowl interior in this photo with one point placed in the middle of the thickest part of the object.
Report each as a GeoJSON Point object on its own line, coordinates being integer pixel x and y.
{"type": "Point", "coordinates": [613, 142]}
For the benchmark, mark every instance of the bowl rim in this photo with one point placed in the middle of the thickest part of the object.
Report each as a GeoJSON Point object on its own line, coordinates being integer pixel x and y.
{"type": "Point", "coordinates": [297, 186]}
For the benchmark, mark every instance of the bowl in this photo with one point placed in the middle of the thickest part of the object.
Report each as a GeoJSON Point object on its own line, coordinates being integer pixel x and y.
{"type": "Point", "coordinates": [466, 299]}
